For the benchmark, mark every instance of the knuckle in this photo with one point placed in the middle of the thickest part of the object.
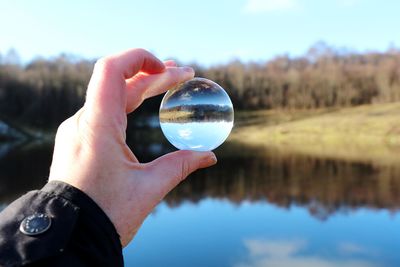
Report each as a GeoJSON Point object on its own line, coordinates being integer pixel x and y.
{"type": "Point", "coordinates": [141, 51]}
{"type": "Point", "coordinates": [64, 129]}
{"type": "Point", "coordinates": [69, 125]}
{"type": "Point", "coordinates": [185, 170]}
{"type": "Point", "coordinates": [63, 126]}
{"type": "Point", "coordinates": [105, 64]}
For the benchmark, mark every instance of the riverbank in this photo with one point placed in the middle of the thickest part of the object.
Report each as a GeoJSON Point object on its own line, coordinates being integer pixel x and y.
{"type": "Point", "coordinates": [364, 133]}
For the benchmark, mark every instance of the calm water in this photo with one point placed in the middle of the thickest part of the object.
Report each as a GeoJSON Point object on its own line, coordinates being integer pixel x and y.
{"type": "Point", "coordinates": [255, 208]}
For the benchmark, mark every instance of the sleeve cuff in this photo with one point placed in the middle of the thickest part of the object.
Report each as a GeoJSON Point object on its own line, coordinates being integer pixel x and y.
{"type": "Point", "coordinates": [79, 231]}
{"type": "Point", "coordinates": [90, 211]}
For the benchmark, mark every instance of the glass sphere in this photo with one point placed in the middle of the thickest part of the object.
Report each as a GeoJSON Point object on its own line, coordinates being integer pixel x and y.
{"type": "Point", "coordinates": [196, 115]}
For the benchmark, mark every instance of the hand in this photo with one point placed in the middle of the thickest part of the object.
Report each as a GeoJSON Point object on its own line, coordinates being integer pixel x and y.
{"type": "Point", "coordinates": [90, 150]}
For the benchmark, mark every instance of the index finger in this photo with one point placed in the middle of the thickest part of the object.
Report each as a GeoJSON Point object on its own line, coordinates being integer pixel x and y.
{"type": "Point", "coordinates": [106, 94]}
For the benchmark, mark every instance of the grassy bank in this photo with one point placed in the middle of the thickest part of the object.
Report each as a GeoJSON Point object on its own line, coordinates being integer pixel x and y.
{"type": "Point", "coordinates": [365, 133]}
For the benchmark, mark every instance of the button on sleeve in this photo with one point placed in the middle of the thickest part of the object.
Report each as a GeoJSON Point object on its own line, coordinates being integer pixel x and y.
{"type": "Point", "coordinates": [18, 248]}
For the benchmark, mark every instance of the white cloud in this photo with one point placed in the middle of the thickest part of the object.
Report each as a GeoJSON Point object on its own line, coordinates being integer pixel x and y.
{"type": "Point", "coordinates": [349, 248]}
{"type": "Point", "coordinates": [278, 248]}
{"type": "Point", "coordinates": [185, 134]}
{"type": "Point", "coordinates": [260, 6]}
{"type": "Point", "coordinates": [185, 96]}
{"type": "Point", "coordinates": [287, 253]}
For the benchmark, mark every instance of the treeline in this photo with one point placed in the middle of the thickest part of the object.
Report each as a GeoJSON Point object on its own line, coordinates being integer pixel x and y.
{"type": "Point", "coordinates": [46, 91]}
{"type": "Point", "coordinates": [323, 77]}
{"type": "Point", "coordinates": [192, 113]}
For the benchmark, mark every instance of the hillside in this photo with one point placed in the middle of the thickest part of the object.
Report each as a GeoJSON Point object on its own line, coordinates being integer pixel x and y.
{"type": "Point", "coordinates": [364, 133]}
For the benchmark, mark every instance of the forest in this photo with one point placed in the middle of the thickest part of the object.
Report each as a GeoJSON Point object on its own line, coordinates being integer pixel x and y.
{"type": "Point", "coordinates": [45, 91]}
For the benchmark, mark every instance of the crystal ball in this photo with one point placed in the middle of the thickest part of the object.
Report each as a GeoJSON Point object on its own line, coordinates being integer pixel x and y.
{"type": "Point", "coordinates": [196, 115]}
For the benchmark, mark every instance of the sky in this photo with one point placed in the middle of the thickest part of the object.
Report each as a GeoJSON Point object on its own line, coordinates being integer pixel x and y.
{"type": "Point", "coordinates": [208, 32]}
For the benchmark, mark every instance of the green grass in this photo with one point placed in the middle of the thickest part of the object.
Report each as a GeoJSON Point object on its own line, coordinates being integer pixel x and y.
{"type": "Point", "coordinates": [365, 133]}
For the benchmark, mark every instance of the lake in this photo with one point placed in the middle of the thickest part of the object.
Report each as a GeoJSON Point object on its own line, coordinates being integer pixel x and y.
{"type": "Point", "coordinates": [255, 208]}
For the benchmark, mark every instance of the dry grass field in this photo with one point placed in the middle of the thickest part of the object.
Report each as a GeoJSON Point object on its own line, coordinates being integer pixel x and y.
{"type": "Point", "coordinates": [364, 133]}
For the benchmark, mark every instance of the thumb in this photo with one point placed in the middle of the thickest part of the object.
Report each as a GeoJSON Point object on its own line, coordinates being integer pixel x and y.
{"type": "Point", "coordinates": [169, 170]}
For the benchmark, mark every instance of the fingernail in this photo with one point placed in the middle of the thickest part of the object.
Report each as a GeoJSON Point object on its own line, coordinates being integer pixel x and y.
{"type": "Point", "coordinates": [170, 63]}
{"type": "Point", "coordinates": [213, 159]}
{"type": "Point", "coordinates": [188, 69]}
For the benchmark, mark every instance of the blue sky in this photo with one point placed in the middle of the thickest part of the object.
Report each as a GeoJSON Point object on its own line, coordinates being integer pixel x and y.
{"type": "Point", "coordinates": [207, 31]}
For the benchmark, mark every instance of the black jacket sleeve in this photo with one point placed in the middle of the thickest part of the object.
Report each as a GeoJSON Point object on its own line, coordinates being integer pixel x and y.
{"type": "Point", "coordinates": [79, 232]}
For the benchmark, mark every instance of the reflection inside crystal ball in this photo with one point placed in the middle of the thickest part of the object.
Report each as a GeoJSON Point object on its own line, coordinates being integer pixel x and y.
{"type": "Point", "coordinates": [196, 115]}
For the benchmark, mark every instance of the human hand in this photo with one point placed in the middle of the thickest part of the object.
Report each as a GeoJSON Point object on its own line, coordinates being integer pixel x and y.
{"type": "Point", "coordinates": [90, 150]}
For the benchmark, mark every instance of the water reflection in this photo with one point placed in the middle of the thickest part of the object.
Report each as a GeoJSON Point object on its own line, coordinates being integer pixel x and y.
{"type": "Point", "coordinates": [289, 253]}
{"type": "Point", "coordinates": [218, 233]}
{"type": "Point", "coordinates": [322, 186]}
